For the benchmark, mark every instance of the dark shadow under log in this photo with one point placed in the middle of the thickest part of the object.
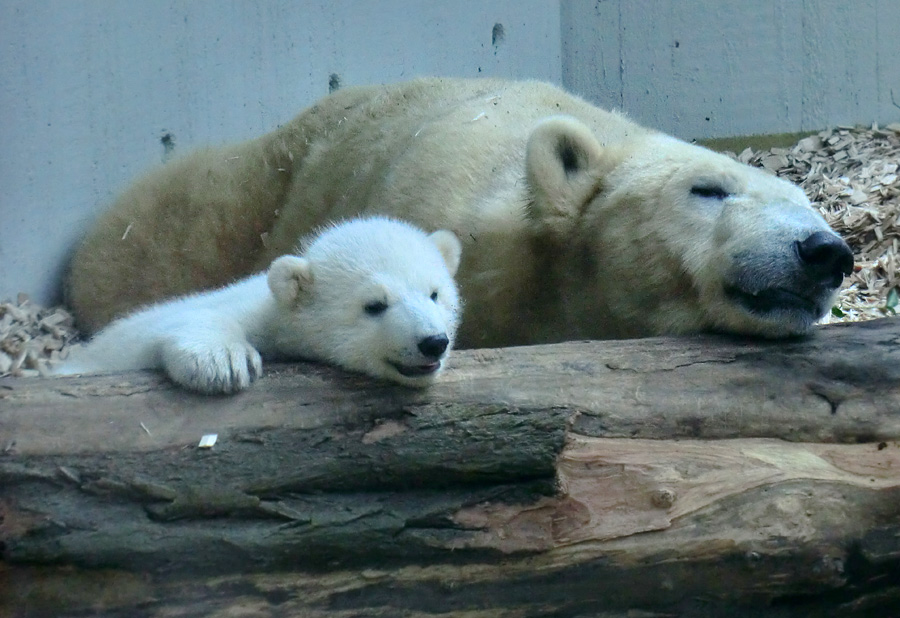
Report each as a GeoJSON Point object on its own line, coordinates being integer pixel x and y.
{"type": "Point", "coordinates": [676, 476]}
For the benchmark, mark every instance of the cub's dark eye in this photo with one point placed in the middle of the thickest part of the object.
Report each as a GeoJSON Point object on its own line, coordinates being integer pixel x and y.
{"type": "Point", "coordinates": [709, 191]}
{"type": "Point", "coordinates": [434, 296]}
{"type": "Point", "coordinates": [375, 308]}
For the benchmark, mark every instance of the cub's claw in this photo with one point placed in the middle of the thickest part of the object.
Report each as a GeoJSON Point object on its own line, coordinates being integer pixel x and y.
{"type": "Point", "coordinates": [212, 368]}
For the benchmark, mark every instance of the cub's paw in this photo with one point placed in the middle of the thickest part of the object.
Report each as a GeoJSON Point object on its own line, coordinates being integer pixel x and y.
{"type": "Point", "coordinates": [211, 367]}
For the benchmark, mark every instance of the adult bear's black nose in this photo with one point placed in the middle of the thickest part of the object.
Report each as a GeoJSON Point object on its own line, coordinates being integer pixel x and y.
{"type": "Point", "coordinates": [826, 257]}
{"type": "Point", "coordinates": [434, 346]}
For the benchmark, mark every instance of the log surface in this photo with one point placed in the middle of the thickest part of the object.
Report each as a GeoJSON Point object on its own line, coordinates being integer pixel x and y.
{"type": "Point", "coordinates": [658, 475]}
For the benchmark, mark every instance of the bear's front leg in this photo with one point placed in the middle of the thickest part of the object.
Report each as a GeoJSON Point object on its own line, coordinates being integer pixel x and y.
{"type": "Point", "coordinates": [210, 362]}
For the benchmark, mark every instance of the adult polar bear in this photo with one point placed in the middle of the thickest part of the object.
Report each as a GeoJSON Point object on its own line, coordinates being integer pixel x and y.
{"type": "Point", "coordinates": [576, 222]}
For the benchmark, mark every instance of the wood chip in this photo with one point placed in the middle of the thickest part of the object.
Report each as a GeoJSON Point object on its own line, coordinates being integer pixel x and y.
{"type": "Point", "coordinates": [32, 337]}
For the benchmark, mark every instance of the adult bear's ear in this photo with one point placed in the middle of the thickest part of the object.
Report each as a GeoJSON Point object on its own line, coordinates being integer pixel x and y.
{"type": "Point", "coordinates": [288, 277]}
{"type": "Point", "coordinates": [565, 166]}
{"type": "Point", "coordinates": [449, 246]}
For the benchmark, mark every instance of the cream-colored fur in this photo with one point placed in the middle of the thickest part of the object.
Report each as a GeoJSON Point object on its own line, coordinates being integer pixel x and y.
{"type": "Point", "coordinates": [372, 295]}
{"type": "Point", "coordinates": [576, 222]}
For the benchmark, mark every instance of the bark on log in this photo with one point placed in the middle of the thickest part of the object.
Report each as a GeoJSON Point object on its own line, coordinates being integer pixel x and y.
{"type": "Point", "coordinates": [671, 476]}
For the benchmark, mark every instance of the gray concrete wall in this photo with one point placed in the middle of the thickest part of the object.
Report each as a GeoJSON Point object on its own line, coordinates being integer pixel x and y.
{"type": "Point", "coordinates": [93, 93]}
{"type": "Point", "coordinates": [718, 68]}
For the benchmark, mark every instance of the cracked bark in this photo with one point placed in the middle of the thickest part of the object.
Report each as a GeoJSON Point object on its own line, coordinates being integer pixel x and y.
{"type": "Point", "coordinates": [661, 475]}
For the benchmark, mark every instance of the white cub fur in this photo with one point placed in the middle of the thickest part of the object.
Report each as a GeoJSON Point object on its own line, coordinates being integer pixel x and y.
{"type": "Point", "coordinates": [370, 295]}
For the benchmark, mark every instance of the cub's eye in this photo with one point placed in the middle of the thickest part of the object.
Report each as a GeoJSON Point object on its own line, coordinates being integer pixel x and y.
{"type": "Point", "coordinates": [434, 296]}
{"type": "Point", "coordinates": [710, 191]}
{"type": "Point", "coordinates": [375, 307]}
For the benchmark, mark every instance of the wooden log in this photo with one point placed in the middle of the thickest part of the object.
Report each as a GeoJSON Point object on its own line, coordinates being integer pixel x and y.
{"type": "Point", "coordinates": [669, 476]}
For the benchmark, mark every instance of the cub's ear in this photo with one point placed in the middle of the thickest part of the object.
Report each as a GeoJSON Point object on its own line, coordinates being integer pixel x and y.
{"type": "Point", "coordinates": [449, 246]}
{"type": "Point", "coordinates": [564, 166]}
{"type": "Point", "coordinates": [288, 277]}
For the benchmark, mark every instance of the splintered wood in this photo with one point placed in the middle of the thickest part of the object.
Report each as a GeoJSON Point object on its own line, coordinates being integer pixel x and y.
{"type": "Point", "coordinates": [851, 174]}
{"type": "Point", "coordinates": [616, 488]}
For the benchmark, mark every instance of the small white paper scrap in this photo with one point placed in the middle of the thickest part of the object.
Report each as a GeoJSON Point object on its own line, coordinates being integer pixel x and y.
{"type": "Point", "coordinates": [208, 440]}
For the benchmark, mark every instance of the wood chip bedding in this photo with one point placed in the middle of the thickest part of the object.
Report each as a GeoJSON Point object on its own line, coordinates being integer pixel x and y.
{"type": "Point", "coordinates": [852, 174]}
{"type": "Point", "coordinates": [32, 336]}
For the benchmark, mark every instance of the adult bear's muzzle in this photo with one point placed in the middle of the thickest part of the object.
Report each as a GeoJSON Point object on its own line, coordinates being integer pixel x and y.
{"type": "Point", "coordinates": [794, 286]}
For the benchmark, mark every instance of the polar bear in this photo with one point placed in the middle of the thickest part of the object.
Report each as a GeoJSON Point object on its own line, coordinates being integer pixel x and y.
{"type": "Point", "coordinates": [371, 295]}
{"type": "Point", "coordinates": [575, 222]}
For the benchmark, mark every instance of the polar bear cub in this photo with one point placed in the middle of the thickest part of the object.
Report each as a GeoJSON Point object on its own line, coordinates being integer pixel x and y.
{"type": "Point", "coordinates": [374, 295]}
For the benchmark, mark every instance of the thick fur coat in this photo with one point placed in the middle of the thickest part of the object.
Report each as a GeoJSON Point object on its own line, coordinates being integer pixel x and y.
{"type": "Point", "coordinates": [575, 221]}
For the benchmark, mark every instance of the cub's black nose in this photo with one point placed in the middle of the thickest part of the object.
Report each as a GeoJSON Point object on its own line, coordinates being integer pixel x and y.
{"type": "Point", "coordinates": [826, 257]}
{"type": "Point", "coordinates": [434, 346]}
